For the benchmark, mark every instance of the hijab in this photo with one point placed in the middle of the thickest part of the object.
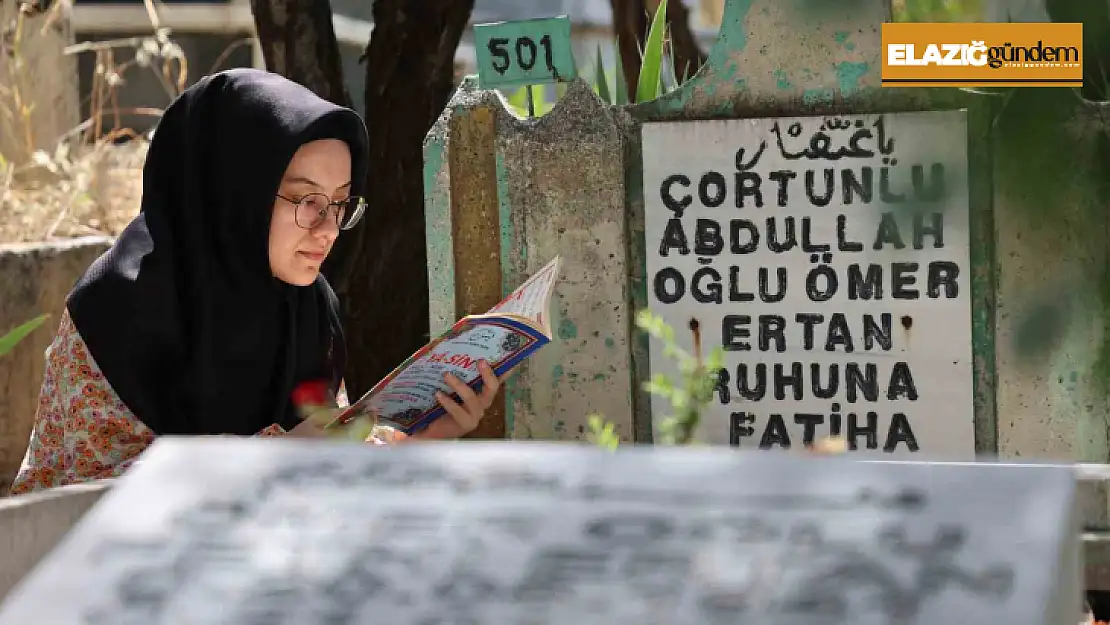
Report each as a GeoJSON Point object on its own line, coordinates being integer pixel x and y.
{"type": "Point", "coordinates": [182, 314]}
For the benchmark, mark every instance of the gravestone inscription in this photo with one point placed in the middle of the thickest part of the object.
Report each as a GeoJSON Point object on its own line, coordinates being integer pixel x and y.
{"type": "Point", "coordinates": [541, 534]}
{"type": "Point", "coordinates": [829, 257]}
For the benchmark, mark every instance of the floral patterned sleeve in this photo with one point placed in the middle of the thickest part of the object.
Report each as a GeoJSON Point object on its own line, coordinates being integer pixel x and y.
{"type": "Point", "coordinates": [82, 430]}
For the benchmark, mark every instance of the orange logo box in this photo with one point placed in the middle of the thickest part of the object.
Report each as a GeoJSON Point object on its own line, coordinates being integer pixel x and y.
{"type": "Point", "coordinates": [982, 55]}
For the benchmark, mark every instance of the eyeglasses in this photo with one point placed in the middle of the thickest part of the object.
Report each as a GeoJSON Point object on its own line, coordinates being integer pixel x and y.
{"type": "Point", "coordinates": [313, 209]}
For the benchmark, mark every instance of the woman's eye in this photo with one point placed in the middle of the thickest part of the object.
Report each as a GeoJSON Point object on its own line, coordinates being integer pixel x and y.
{"type": "Point", "coordinates": [315, 203]}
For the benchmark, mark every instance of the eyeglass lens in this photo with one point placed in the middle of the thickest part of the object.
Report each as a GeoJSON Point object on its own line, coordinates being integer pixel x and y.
{"type": "Point", "coordinates": [314, 208]}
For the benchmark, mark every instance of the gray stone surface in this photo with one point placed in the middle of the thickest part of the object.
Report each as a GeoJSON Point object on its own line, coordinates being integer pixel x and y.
{"type": "Point", "coordinates": [31, 525]}
{"type": "Point", "coordinates": [562, 188]}
{"type": "Point", "coordinates": [310, 532]}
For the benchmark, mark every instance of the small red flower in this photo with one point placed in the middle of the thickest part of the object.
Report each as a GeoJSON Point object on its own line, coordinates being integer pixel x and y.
{"type": "Point", "coordinates": [311, 393]}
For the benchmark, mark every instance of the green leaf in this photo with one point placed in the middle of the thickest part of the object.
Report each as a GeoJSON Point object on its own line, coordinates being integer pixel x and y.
{"type": "Point", "coordinates": [17, 334]}
{"type": "Point", "coordinates": [602, 433]}
{"type": "Point", "coordinates": [685, 73]}
{"type": "Point", "coordinates": [601, 83]}
{"type": "Point", "coordinates": [680, 399]}
{"type": "Point", "coordinates": [672, 351]}
{"type": "Point", "coordinates": [671, 71]}
{"type": "Point", "coordinates": [595, 423]}
{"type": "Point", "coordinates": [620, 90]}
{"type": "Point", "coordinates": [651, 65]}
{"type": "Point", "coordinates": [659, 385]}
{"type": "Point", "coordinates": [518, 98]}
{"type": "Point", "coordinates": [715, 360]}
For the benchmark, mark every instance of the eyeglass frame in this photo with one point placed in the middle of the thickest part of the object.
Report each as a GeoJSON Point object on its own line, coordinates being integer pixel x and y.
{"type": "Point", "coordinates": [324, 214]}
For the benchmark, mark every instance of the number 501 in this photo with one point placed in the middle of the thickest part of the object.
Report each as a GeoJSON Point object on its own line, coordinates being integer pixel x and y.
{"type": "Point", "coordinates": [526, 53]}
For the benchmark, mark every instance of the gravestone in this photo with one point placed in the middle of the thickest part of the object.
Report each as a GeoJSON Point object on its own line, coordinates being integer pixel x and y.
{"type": "Point", "coordinates": [314, 532]}
{"type": "Point", "coordinates": [829, 257]}
{"type": "Point", "coordinates": [583, 181]}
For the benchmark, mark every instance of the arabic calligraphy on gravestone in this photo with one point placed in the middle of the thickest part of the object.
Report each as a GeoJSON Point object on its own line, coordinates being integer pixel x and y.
{"type": "Point", "coordinates": [829, 257]}
{"type": "Point", "coordinates": [552, 535]}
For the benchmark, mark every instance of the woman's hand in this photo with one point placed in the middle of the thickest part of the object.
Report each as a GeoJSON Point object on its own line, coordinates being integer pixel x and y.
{"type": "Point", "coordinates": [461, 418]}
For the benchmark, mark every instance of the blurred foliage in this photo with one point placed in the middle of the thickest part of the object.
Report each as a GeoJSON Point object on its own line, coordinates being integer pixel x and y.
{"type": "Point", "coordinates": [689, 394]}
{"type": "Point", "coordinates": [1050, 150]}
{"type": "Point", "coordinates": [937, 10]}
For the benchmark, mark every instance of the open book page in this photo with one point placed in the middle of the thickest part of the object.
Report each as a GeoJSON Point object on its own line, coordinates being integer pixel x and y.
{"type": "Point", "coordinates": [405, 399]}
{"type": "Point", "coordinates": [532, 298]}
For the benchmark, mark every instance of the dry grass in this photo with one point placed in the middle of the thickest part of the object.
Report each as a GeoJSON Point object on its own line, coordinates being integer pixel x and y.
{"type": "Point", "coordinates": [94, 192]}
{"type": "Point", "coordinates": [91, 182]}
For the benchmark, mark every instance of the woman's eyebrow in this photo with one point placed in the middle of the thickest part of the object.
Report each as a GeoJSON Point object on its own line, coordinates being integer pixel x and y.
{"type": "Point", "coordinates": [303, 180]}
{"type": "Point", "coordinates": [311, 182]}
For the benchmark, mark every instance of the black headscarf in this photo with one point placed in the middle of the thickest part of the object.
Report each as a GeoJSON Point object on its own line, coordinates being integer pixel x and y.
{"type": "Point", "coordinates": [182, 314]}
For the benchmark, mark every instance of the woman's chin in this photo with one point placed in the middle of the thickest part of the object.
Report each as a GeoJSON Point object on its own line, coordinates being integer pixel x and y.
{"type": "Point", "coordinates": [299, 277]}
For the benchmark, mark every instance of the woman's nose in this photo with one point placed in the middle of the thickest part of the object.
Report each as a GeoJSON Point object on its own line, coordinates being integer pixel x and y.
{"type": "Point", "coordinates": [328, 228]}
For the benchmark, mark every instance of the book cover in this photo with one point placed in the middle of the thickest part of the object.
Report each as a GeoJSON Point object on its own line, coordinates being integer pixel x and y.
{"type": "Point", "coordinates": [504, 336]}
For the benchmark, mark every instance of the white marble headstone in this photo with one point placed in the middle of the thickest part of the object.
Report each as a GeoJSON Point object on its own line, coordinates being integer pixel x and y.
{"type": "Point", "coordinates": [249, 532]}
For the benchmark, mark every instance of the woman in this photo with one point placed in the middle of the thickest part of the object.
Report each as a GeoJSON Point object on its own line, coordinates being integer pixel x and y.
{"type": "Point", "coordinates": [209, 309]}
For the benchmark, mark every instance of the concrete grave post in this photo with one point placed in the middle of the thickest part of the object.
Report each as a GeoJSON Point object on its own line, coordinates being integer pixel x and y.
{"type": "Point", "coordinates": [503, 196]}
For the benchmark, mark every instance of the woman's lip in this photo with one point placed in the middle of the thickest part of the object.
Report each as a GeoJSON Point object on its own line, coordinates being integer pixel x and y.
{"type": "Point", "coordinates": [313, 255]}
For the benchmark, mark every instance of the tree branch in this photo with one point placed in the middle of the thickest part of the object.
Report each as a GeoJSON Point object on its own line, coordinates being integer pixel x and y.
{"type": "Point", "coordinates": [409, 79]}
{"type": "Point", "coordinates": [298, 41]}
{"type": "Point", "coordinates": [688, 57]}
{"type": "Point", "coordinates": [630, 28]}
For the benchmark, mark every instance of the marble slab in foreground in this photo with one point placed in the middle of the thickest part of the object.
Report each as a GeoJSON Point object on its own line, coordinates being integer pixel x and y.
{"type": "Point", "coordinates": [219, 531]}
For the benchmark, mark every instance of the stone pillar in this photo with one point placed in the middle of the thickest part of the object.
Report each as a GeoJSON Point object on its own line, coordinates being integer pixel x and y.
{"type": "Point", "coordinates": [462, 216]}
{"type": "Point", "coordinates": [503, 197]}
{"type": "Point", "coordinates": [561, 182]}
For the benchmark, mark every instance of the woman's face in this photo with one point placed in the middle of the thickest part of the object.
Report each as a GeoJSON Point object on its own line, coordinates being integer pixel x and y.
{"type": "Point", "coordinates": [296, 253]}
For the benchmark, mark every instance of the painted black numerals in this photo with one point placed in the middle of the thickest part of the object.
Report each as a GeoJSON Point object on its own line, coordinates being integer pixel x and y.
{"type": "Point", "coordinates": [526, 51]}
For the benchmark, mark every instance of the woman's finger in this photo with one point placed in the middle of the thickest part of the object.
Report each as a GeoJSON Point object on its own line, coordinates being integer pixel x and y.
{"type": "Point", "coordinates": [466, 394]}
{"type": "Point", "coordinates": [490, 382]}
{"type": "Point", "coordinates": [465, 420]}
